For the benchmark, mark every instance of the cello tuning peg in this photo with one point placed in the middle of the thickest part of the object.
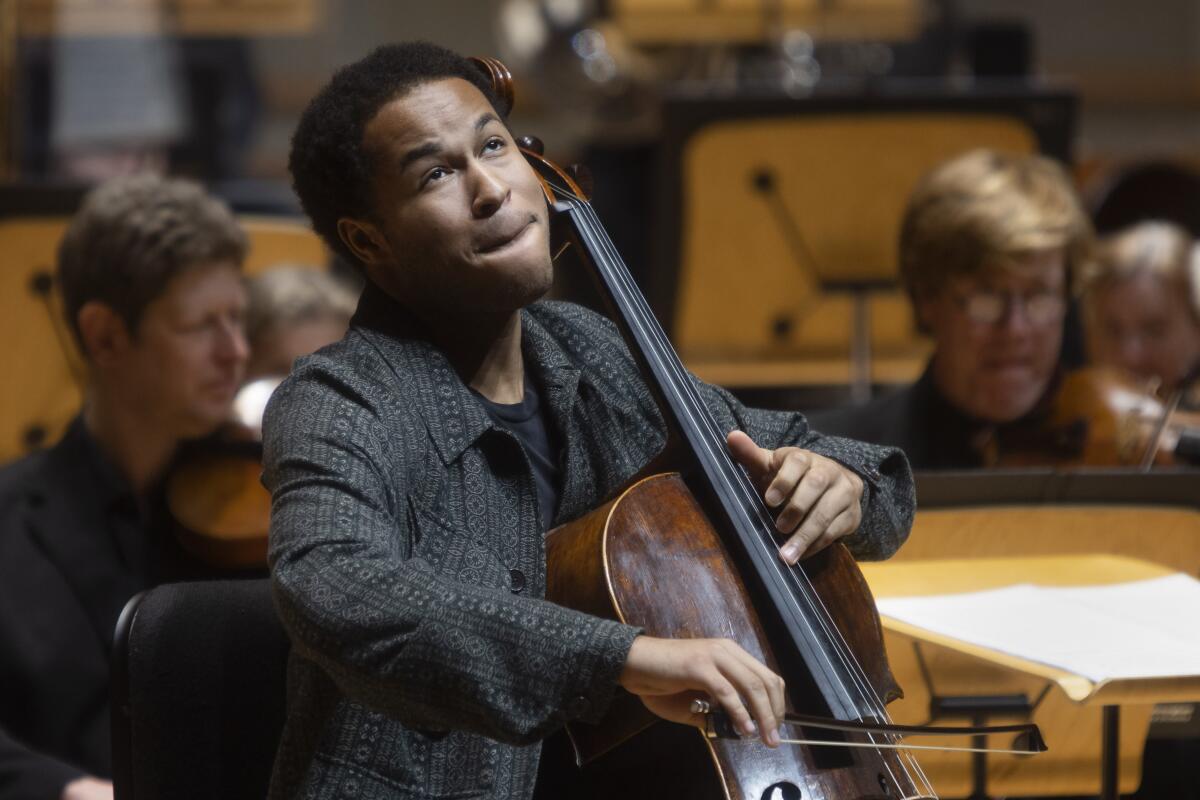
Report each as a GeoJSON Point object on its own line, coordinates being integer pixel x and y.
{"type": "Point", "coordinates": [583, 177]}
{"type": "Point", "coordinates": [533, 144]}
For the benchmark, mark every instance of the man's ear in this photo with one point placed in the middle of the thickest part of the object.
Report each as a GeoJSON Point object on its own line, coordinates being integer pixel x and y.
{"type": "Point", "coordinates": [103, 333]}
{"type": "Point", "coordinates": [365, 241]}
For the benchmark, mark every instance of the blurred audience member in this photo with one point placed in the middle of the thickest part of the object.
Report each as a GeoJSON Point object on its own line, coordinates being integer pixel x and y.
{"type": "Point", "coordinates": [987, 244]}
{"type": "Point", "coordinates": [1141, 304]}
{"type": "Point", "coordinates": [119, 103]}
{"type": "Point", "coordinates": [150, 274]}
{"type": "Point", "coordinates": [294, 311]}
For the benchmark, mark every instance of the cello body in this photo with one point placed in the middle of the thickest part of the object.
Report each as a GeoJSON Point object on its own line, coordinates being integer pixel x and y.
{"type": "Point", "coordinates": [651, 558]}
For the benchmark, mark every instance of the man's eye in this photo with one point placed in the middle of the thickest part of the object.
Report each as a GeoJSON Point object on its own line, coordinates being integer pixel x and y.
{"type": "Point", "coordinates": [192, 327]}
{"type": "Point", "coordinates": [435, 174]}
{"type": "Point", "coordinates": [494, 143]}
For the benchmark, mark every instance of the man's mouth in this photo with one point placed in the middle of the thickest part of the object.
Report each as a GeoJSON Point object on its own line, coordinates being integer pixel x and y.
{"type": "Point", "coordinates": [222, 387]}
{"type": "Point", "coordinates": [504, 239]}
{"type": "Point", "coordinates": [1009, 370]}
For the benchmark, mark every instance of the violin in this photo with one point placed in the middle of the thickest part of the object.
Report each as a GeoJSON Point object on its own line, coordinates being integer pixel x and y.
{"type": "Point", "coordinates": [220, 509]}
{"type": "Point", "coordinates": [1101, 416]}
{"type": "Point", "coordinates": [688, 550]}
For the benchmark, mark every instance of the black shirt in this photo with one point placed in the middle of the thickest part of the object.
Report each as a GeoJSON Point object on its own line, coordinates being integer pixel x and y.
{"type": "Point", "coordinates": [127, 520]}
{"type": "Point", "coordinates": [527, 422]}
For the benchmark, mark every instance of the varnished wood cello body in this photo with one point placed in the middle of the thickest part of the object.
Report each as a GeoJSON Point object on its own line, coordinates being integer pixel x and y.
{"type": "Point", "coordinates": [652, 558]}
{"type": "Point", "coordinates": [689, 551]}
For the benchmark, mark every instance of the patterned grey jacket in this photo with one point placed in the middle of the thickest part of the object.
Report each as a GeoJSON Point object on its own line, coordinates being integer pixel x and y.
{"type": "Point", "coordinates": [407, 553]}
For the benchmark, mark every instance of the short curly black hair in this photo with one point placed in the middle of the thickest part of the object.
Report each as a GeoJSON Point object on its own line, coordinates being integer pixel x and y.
{"type": "Point", "coordinates": [331, 171]}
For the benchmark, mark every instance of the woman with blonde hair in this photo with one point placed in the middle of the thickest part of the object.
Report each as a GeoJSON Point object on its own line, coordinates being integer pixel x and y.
{"type": "Point", "coordinates": [988, 244]}
{"type": "Point", "coordinates": [1141, 304]}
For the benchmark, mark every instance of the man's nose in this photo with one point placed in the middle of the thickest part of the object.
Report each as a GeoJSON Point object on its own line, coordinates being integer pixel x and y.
{"type": "Point", "coordinates": [490, 191]}
{"type": "Point", "coordinates": [232, 345]}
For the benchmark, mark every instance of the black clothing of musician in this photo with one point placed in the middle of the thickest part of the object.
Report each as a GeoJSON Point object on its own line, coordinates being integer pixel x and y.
{"type": "Point", "coordinates": [918, 419]}
{"type": "Point", "coordinates": [73, 550]}
{"type": "Point", "coordinates": [75, 545]}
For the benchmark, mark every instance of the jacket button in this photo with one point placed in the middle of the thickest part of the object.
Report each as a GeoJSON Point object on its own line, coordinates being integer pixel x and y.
{"type": "Point", "coordinates": [577, 706]}
{"type": "Point", "coordinates": [517, 580]}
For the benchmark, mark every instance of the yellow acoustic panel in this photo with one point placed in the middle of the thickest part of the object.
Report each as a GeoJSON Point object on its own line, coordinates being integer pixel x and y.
{"type": "Point", "coordinates": [40, 393]}
{"type": "Point", "coordinates": [840, 184]}
{"type": "Point", "coordinates": [282, 241]}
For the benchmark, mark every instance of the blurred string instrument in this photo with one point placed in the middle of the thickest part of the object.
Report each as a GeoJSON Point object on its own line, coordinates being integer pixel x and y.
{"type": "Point", "coordinates": [219, 508]}
{"type": "Point", "coordinates": [1102, 417]}
{"type": "Point", "coordinates": [688, 550]}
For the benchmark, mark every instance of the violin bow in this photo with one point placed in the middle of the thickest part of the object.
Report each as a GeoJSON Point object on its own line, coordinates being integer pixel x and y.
{"type": "Point", "coordinates": [1160, 425]}
{"type": "Point", "coordinates": [1028, 739]}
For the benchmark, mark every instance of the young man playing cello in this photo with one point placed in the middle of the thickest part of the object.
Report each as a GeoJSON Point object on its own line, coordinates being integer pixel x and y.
{"type": "Point", "coordinates": [417, 464]}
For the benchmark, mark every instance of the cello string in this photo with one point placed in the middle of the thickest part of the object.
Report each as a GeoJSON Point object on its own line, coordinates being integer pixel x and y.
{"type": "Point", "coordinates": [707, 420]}
{"type": "Point", "coordinates": [631, 293]}
{"type": "Point", "coordinates": [698, 411]}
{"type": "Point", "coordinates": [623, 292]}
{"type": "Point", "coordinates": [684, 387]}
{"type": "Point", "coordinates": [620, 282]}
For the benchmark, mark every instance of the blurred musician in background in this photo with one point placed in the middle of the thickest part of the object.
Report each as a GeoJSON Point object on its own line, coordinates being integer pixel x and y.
{"type": "Point", "coordinates": [1141, 304]}
{"type": "Point", "coordinates": [987, 246]}
{"type": "Point", "coordinates": [150, 273]}
{"type": "Point", "coordinates": [294, 311]}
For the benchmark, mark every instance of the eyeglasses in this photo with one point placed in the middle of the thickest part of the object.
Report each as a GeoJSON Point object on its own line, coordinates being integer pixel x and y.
{"type": "Point", "coordinates": [989, 306]}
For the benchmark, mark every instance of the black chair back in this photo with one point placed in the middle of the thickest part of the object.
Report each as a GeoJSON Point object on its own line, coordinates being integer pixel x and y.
{"type": "Point", "coordinates": [198, 692]}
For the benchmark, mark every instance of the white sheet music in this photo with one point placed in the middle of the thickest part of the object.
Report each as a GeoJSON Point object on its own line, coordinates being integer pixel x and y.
{"type": "Point", "coordinates": [1143, 629]}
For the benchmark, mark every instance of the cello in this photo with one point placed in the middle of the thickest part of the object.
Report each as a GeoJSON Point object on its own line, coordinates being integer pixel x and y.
{"type": "Point", "coordinates": [687, 550]}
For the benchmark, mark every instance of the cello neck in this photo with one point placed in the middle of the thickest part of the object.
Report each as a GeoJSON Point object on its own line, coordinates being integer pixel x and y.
{"type": "Point", "coordinates": [689, 420]}
{"type": "Point", "coordinates": [721, 485]}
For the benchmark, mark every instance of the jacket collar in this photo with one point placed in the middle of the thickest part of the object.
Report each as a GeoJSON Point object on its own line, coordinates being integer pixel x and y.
{"type": "Point", "coordinates": [454, 418]}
